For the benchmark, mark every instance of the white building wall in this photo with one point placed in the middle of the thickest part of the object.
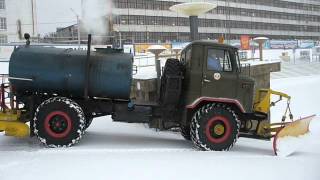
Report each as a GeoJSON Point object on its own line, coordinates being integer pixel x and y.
{"type": "Point", "coordinates": [23, 10]}
{"type": "Point", "coordinates": [186, 29]}
{"type": "Point", "coordinates": [2, 31]}
{"type": "Point", "coordinates": [285, 23]}
{"type": "Point", "coordinates": [259, 7]}
{"type": "Point", "coordinates": [168, 13]}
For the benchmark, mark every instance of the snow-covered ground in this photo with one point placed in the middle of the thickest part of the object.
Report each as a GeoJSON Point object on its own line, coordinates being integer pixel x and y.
{"type": "Point", "coordinates": [304, 92]}
{"type": "Point", "coordinates": [112, 150]}
{"type": "Point", "coordinates": [130, 151]}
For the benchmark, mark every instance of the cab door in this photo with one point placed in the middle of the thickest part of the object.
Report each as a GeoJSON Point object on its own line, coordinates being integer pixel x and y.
{"type": "Point", "coordinates": [219, 78]}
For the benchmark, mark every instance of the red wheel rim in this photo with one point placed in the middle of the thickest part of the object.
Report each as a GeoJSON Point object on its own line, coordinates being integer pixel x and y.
{"type": "Point", "coordinates": [212, 123]}
{"type": "Point", "coordinates": [58, 124]}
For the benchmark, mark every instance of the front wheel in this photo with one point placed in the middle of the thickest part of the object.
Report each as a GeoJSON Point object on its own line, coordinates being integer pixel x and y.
{"type": "Point", "coordinates": [215, 127]}
{"type": "Point", "coordinates": [59, 122]}
{"type": "Point", "coordinates": [88, 123]}
{"type": "Point", "coordinates": [185, 132]}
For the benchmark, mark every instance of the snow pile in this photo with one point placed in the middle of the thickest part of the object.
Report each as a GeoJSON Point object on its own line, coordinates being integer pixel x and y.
{"type": "Point", "coordinates": [286, 146]}
{"type": "Point", "coordinates": [146, 73]}
{"type": "Point", "coordinates": [314, 127]}
{"type": "Point", "coordinates": [305, 96]}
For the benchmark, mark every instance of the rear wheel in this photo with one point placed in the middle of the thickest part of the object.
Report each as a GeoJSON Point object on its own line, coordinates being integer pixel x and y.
{"type": "Point", "coordinates": [215, 127]}
{"type": "Point", "coordinates": [59, 122]}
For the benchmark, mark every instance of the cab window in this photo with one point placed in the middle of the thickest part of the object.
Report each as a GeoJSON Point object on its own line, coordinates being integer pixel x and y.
{"type": "Point", "coordinates": [219, 60]}
{"type": "Point", "coordinates": [238, 61]}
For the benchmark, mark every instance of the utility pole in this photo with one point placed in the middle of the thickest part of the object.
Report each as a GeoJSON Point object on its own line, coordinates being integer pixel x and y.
{"type": "Point", "coordinates": [78, 24]}
{"type": "Point", "coordinates": [117, 32]}
{"type": "Point", "coordinates": [34, 18]}
{"type": "Point", "coordinates": [79, 32]}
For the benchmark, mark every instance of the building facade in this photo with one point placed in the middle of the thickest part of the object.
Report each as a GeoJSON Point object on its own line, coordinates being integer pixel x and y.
{"type": "Point", "coordinates": [67, 34]}
{"type": "Point", "coordinates": [16, 18]}
{"type": "Point", "coordinates": [152, 21]}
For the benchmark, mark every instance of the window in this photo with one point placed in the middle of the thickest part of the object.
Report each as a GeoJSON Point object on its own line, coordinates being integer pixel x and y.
{"type": "Point", "coordinates": [219, 60]}
{"type": "Point", "coordinates": [3, 39]}
{"type": "Point", "coordinates": [238, 60]}
{"type": "Point", "coordinates": [3, 23]}
{"type": "Point", "coordinates": [2, 4]}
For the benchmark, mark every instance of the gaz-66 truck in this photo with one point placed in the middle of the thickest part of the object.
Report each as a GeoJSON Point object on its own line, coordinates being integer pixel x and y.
{"type": "Point", "coordinates": [56, 93]}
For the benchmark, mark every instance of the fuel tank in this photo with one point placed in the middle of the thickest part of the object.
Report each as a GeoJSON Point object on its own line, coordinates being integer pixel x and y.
{"type": "Point", "coordinates": [62, 71]}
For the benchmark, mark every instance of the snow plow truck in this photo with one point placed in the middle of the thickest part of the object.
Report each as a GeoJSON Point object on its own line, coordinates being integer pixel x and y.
{"type": "Point", "coordinates": [54, 94]}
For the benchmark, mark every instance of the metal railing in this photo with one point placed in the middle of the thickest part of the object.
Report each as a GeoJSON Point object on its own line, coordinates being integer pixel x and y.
{"type": "Point", "coordinates": [4, 93]}
{"type": "Point", "coordinates": [4, 78]}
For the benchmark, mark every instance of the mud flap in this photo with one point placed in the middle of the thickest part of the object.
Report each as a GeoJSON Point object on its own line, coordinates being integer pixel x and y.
{"type": "Point", "coordinates": [290, 134]}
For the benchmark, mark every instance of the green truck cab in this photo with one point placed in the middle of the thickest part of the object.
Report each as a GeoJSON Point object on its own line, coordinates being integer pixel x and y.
{"type": "Point", "coordinates": [221, 80]}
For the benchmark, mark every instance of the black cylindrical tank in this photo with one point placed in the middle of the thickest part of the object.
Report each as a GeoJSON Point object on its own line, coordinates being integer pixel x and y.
{"type": "Point", "coordinates": [62, 71]}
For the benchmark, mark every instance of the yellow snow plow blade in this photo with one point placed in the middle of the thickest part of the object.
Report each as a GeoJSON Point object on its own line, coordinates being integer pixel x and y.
{"type": "Point", "coordinates": [295, 129]}
{"type": "Point", "coordinates": [11, 126]}
{"type": "Point", "coordinates": [262, 101]}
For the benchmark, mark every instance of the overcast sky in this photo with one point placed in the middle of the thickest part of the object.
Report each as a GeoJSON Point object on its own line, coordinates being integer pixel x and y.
{"type": "Point", "coordinates": [57, 12]}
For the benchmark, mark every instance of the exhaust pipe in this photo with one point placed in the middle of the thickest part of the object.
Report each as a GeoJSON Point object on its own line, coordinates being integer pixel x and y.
{"type": "Point", "coordinates": [87, 70]}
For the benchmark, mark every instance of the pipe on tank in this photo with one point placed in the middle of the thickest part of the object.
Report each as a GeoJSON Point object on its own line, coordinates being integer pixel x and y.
{"type": "Point", "coordinates": [87, 70]}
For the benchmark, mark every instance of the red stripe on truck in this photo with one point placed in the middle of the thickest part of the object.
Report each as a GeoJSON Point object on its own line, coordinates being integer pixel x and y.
{"type": "Point", "coordinates": [211, 99]}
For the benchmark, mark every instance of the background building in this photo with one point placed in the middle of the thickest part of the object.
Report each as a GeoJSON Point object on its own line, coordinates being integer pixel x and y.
{"type": "Point", "coordinates": [151, 21]}
{"type": "Point", "coordinates": [65, 35]}
{"type": "Point", "coordinates": [16, 18]}
{"type": "Point", "coordinates": [69, 35]}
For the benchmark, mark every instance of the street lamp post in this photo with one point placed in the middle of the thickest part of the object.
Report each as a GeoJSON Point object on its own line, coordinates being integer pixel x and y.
{"type": "Point", "coordinates": [157, 50]}
{"type": "Point", "coordinates": [260, 41]}
{"type": "Point", "coordinates": [193, 10]}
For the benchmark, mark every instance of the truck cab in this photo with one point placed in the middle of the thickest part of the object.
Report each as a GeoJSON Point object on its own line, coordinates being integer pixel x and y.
{"type": "Point", "coordinates": [213, 72]}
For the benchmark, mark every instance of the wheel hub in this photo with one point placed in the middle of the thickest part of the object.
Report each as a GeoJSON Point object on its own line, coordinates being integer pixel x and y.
{"type": "Point", "coordinates": [218, 129]}
{"type": "Point", "coordinates": [58, 124]}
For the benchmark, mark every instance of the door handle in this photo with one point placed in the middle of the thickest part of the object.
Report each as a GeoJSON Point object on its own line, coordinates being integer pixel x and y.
{"type": "Point", "coordinates": [206, 80]}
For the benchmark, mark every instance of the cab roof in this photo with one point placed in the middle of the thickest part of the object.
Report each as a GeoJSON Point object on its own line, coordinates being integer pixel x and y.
{"type": "Point", "coordinates": [211, 43]}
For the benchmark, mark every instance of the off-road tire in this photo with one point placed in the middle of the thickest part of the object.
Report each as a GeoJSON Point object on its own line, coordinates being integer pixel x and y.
{"type": "Point", "coordinates": [201, 127]}
{"type": "Point", "coordinates": [172, 68]}
{"type": "Point", "coordinates": [70, 117]}
{"type": "Point", "coordinates": [185, 132]}
{"type": "Point", "coordinates": [88, 123]}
